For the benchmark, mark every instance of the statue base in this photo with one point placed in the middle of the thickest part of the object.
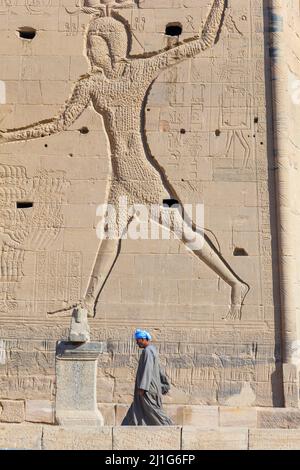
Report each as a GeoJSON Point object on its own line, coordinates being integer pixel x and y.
{"type": "Point", "coordinates": [76, 375]}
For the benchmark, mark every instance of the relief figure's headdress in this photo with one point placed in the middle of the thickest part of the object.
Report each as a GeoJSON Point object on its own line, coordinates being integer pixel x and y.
{"type": "Point", "coordinates": [113, 32]}
{"type": "Point", "coordinates": [106, 6]}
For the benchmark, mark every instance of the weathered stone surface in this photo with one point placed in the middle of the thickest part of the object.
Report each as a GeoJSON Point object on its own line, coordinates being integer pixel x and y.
{"type": "Point", "coordinates": [205, 127]}
{"type": "Point", "coordinates": [152, 437]}
{"type": "Point", "coordinates": [39, 411]}
{"type": "Point", "coordinates": [105, 389]}
{"type": "Point", "coordinates": [238, 417]}
{"type": "Point", "coordinates": [194, 438]}
{"type": "Point", "coordinates": [34, 436]}
{"type": "Point", "coordinates": [121, 411]}
{"type": "Point", "coordinates": [77, 438]}
{"type": "Point", "coordinates": [274, 439]}
{"type": "Point", "coordinates": [278, 418]}
{"type": "Point", "coordinates": [175, 412]}
{"type": "Point", "coordinates": [76, 374]}
{"type": "Point", "coordinates": [12, 411]}
{"type": "Point", "coordinates": [291, 384]}
{"type": "Point", "coordinates": [108, 412]}
{"type": "Point", "coordinates": [20, 436]}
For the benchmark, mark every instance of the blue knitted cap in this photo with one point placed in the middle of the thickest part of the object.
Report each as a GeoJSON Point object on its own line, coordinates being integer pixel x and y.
{"type": "Point", "coordinates": [142, 334]}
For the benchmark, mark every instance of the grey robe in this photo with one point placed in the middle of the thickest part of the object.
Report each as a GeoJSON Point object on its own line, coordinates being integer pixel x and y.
{"type": "Point", "coordinates": [147, 410]}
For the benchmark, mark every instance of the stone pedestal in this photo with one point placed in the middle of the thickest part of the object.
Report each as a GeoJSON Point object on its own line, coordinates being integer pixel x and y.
{"type": "Point", "coordinates": [76, 374]}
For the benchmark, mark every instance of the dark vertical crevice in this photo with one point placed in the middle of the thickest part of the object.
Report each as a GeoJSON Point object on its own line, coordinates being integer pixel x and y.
{"type": "Point", "coordinates": [277, 376]}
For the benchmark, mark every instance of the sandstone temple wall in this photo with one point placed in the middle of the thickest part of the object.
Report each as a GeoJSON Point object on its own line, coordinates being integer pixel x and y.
{"type": "Point", "coordinates": [208, 123]}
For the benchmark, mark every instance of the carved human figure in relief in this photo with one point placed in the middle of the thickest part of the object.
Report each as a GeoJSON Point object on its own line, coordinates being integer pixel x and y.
{"type": "Point", "coordinates": [117, 86]}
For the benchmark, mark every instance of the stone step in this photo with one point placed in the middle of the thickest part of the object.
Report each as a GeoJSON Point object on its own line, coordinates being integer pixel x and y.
{"type": "Point", "coordinates": [47, 437]}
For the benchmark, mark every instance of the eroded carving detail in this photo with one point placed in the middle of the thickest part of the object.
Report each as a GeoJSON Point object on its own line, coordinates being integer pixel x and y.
{"type": "Point", "coordinates": [37, 7]}
{"type": "Point", "coordinates": [117, 86]}
{"type": "Point", "coordinates": [5, 6]}
{"type": "Point", "coordinates": [30, 218]}
{"type": "Point", "coordinates": [235, 117]}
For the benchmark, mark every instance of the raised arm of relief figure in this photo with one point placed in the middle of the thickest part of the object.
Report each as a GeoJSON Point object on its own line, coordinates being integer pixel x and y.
{"type": "Point", "coordinates": [72, 110]}
{"type": "Point", "coordinates": [193, 46]}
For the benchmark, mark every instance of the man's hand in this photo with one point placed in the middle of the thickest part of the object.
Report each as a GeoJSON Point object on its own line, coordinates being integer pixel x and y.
{"type": "Point", "coordinates": [141, 392]}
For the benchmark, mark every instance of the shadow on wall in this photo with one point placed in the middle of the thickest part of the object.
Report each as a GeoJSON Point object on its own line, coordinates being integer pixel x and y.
{"type": "Point", "coordinates": [276, 377]}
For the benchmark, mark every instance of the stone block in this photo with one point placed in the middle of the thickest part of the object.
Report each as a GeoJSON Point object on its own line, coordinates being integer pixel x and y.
{"type": "Point", "coordinates": [76, 372]}
{"type": "Point", "coordinates": [20, 436]}
{"type": "Point", "coordinates": [274, 439]}
{"type": "Point", "coordinates": [39, 411]}
{"type": "Point", "coordinates": [78, 66]}
{"type": "Point", "coordinates": [291, 384]}
{"type": "Point", "coordinates": [12, 411]}
{"type": "Point", "coordinates": [175, 412]}
{"type": "Point", "coordinates": [283, 418]}
{"type": "Point", "coordinates": [121, 411]}
{"type": "Point", "coordinates": [45, 68]}
{"type": "Point", "coordinates": [238, 417]}
{"type": "Point", "coordinates": [123, 391]}
{"type": "Point", "coordinates": [10, 68]}
{"type": "Point", "coordinates": [151, 438]}
{"type": "Point", "coordinates": [105, 388]}
{"type": "Point", "coordinates": [194, 438]}
{"type": "Point", "coordinates": [205, 417]}
{"type": "Point", "coordinates": [108, 411]}
{"type": "Point", "coordinates": [77, 438]}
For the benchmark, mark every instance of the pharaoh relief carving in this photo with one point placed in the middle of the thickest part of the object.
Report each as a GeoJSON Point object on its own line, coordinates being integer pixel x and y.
{"type": "Point", "coordinates": [7, 5]}
{"type": "Point", "coordinates": [117, 86]}
{"type": "Point", "coordinates": [30, 220]}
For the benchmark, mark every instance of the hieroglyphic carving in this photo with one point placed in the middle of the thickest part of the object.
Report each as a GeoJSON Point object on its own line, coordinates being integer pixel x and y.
{"type": "Point", "coordinates": [106, 6]}
{"type": "Point", "coordinates": [37, 7]}
{"type": "Point", "coordinates": [235, 117]}
{"type": "Point", "coordinates": [117, 87]}
{"type": "Point", "coordinates": [58, 279]}
{"type": "Point", "coordinates": [138, 23]}
{"type": "Point", "coordinates": [72, 19]}
{"type": "Point", "coordinates": [30, 220]}
{"type": "Point", "coordinates": [73, 26]}
{"type": "Point", "coordinates": [5, 5]}
{"type": "Point", "coordinates": [190, 26]}
{"type": "Point", "coordinates": [192, 143]}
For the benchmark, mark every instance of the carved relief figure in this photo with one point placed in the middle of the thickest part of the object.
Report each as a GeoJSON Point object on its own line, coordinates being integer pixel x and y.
{"type": "Point", "coordinates": [117, 87]}
{"type": "Point", "coordinates": [235, 118]}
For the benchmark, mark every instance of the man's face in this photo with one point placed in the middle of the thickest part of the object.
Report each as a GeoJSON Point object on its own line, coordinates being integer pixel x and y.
{"type": "Point", "coordinates": [142, 343]}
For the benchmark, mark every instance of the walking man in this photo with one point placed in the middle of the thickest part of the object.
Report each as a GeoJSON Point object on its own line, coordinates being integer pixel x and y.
{"type": "Point", "coordinates": [150, 384]}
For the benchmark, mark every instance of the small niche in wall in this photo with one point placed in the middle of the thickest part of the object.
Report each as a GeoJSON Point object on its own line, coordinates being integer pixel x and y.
{"type": "Point", "coordinates": [173, 29]}
{"type": "Point", "coordinates": [84, 130]}
{"type": "Point", "coordinates": [24, 205]}
{"type": "Point", "coordinates": [170, 202]}
{"type": "Point", "coordinates": [27, 33]}
{"type": "Point", "coordinates": [240, 252]}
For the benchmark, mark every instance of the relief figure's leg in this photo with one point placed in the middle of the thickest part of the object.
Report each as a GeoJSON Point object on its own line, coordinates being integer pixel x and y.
{"type": "Point", "coordinates": [106, 257]}
{"type": "Point", "coordinates": [245, 145]}
{"type": "Point", "coordinates": [105, 260]}
{"type": "Point", "coordinates": [201, 247]}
